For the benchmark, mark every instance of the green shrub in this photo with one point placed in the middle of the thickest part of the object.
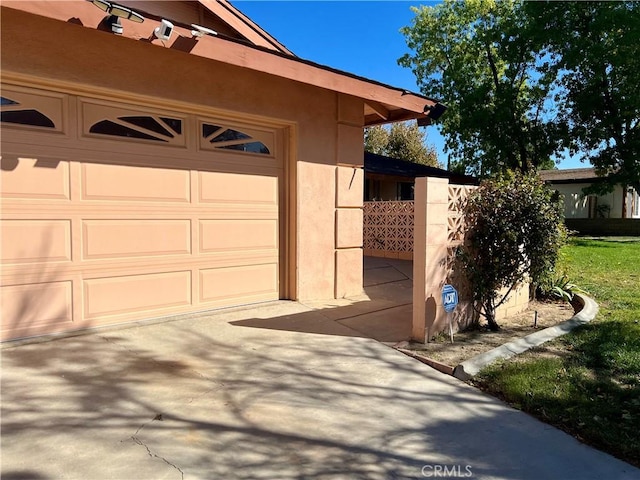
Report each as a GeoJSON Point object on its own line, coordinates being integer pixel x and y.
{"type": "Point", "coordinates": [515, 229]}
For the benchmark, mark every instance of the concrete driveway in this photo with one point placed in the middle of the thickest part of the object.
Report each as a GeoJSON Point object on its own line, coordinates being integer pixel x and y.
{"type": "Point", "coordinates": [279, 391]}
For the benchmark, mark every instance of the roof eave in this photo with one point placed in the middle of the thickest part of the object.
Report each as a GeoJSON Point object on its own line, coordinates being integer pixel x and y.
{"type": "Point", "coordinates": [383, 103]}
{"type": "Point", "coordinates": [246, 27]}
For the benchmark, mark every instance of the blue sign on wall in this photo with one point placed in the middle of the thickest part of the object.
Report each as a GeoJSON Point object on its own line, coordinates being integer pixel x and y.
{"type": "Point", "coordinates": [449, 298]}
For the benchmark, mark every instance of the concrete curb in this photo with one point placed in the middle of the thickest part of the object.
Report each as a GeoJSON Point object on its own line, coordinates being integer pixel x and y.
{"type": "Point", "coordinates": [441, 367]}
{"type": "Point", "coordinates": [471, 367]}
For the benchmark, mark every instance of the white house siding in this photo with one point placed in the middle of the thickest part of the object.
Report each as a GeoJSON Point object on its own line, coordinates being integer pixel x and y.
{"type": "Point", "coordinates": [576, 205]}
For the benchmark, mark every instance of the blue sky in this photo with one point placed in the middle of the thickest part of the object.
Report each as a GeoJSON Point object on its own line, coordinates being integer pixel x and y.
{"type": "Point", "coordinates": [360, 37]}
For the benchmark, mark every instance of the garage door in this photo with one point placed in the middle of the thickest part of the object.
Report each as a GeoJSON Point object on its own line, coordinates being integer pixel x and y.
{"type": "Point", "coordinates": [114, 212]}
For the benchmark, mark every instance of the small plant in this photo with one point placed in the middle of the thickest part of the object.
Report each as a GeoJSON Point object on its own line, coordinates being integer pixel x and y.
{"type": "Point", "coordinates": [559, 287]}
{"type": "Point", "coordinates": [563, 289]}
{"type": "Point", "coordinates": [440, 337]}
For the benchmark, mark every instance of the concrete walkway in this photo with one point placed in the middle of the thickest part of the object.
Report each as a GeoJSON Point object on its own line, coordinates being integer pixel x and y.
{"type": "Point", "coordinates": [279, 391]}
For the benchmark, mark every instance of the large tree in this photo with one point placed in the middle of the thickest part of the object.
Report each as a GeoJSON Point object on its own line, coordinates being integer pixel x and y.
{"type": "Point", "coordinates": [595, 56]}
{"type": "Point", "coordinates": [404, 141]}
{"type": "Point", "coordinates": [474, 56]}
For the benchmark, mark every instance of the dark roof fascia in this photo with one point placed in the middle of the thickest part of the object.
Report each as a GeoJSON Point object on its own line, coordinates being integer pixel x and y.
{"type": "Point", "coordinates": [568, 181]}
{"type": "Point", "coordinates": [295, 58]}
{"type": "Point", "coordinates": [283, 55]}
{"type": "Point", "coordinates": [576, 174]}
{"type": "Point", "coordinates": [393, 167]}
{"type": "Point", "coordinates": [320, 66]}
{"type": "Point", "coordinates": [311, 63]}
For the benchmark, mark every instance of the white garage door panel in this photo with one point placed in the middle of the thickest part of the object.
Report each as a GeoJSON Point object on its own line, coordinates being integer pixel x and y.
{"type": "Point", "coordinates": [136, 293]}
{"type": "Point", "coordinates": [252, 282]}
{"type": "Point", "coordinates": [229, 235]}
{"type": "Point", "coordinates": [35, 241]}
{"type": "Point", "coordinates": [31, 178]}
{"type": "Point", "coordinates": [38, 307]}
{"type": "Point", "coordinates": [129, 183]}
{"type": "Point", "coordinates": [90, 242]}
{"type": "Point", "coordinates": [119, 239]}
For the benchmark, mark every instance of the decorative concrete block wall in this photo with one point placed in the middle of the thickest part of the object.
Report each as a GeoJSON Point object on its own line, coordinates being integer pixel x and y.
{"type": "Point", "coordinates": [438, 232]}
{"type": "Point", "coordinates": [388, 229]}
{"type": "Point", "coordinates": [516, 302]}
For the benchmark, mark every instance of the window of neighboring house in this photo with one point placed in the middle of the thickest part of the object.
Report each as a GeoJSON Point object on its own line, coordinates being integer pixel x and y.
{"type": "Point", "coordinates": [603, 210]}
{"type": "Point", "coordinates": [372, 190]}
{"type": "Point", "coordinates": [592, 203]}
{"type": "Point", "coordinates": [635, 204]}
{"type": "Point", "coordinates": [405, 191]}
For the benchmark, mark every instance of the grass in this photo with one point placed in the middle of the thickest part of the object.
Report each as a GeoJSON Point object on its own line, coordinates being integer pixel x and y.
{"type": "Point", "coordinates": [588, 381]}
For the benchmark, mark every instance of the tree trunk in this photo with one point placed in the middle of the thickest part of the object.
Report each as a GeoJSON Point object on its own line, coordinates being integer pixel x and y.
{"type": "Point", "coordinates": [490, 313]}
{"type": "Point", "coordinates": [625, 194]}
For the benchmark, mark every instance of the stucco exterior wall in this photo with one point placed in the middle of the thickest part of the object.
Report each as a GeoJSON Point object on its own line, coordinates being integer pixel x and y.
{"type": "Point", "coordinates": [325, 188]}
{"type": "Point", "coordinates": [577, 206]}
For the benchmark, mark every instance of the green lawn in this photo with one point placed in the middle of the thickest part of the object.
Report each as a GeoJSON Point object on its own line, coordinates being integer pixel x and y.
{"type": "Point", "coordinates": [588, 381]}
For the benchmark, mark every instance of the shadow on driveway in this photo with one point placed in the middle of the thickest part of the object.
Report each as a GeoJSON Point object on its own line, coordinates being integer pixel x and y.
{"type": "Point", "coordinates": [280, 391]}
{"type": "Point", "coordinates": [383, 312]}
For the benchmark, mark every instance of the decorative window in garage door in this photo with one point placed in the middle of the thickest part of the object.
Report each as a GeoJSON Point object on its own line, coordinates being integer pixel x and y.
{"type": "Point", "coordinates": [110, 121]}
{"type": "Point", "coordinates": [159, 129]}
{"type": "Point", "coordinates": [22, 108]}
{"type": "Point", "coordinates": [217, 136]}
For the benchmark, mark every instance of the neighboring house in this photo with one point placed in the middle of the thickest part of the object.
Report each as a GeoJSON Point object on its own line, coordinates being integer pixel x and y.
{"type": "Point", "coordinates": [161, 158]}
{"type": "Point", "coordinates": [570, 183]}
{"type": "Point", "coordinates": [393, 179]}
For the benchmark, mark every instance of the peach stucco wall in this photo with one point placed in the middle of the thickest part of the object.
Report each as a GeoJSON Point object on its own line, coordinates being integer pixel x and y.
{"type": "Point", "coordinates": [429, 256]}
{"type": "Point", "coordinates": [324, 187]}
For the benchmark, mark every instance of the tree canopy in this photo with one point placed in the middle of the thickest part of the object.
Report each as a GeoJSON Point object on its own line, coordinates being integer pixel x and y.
{"type": "Point", "coordinates": [474, 56]}
{"type": "Point", "coordinates": [596, 62]}
{"type": "Point", "coordinates": [528, 81]}
{"type": "Point", "coordinates": [404, 141]}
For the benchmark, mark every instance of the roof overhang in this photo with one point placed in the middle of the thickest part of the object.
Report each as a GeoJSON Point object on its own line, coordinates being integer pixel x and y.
{"type": "Point", "coordinates": [380, 167]}
{"type": "Point", "coordinates": [571, 175]}
{"type": "Point", "coordinates": [383, 103]}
